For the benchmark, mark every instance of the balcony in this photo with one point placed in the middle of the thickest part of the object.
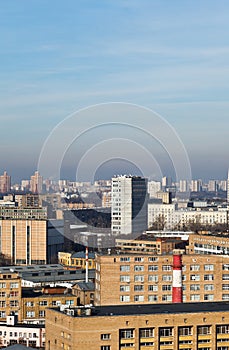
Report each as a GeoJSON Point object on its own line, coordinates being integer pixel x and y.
{"type": "Point", "coordinates": [126, 341]}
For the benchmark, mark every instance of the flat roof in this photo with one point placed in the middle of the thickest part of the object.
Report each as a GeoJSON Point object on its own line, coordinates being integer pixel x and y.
{"type": "Point", "coordinates": [150, 309]}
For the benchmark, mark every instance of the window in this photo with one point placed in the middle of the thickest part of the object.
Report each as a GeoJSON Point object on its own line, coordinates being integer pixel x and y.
{"type": "Point", "coordinates": [166, 287]}
{"type": "Point", "coordinates": [202, 330]}
{"type": "Point", "coordinates": [125, 278]}
{"type": "Point", "coordinates": [152, 259]}
{"type": "Point", "coordinates": [13, 303]}
{"type": "Point", "coordinates": [30, 314]}
{"type": "Point", "coordinates": [167, 278]}
{"type": "Point", "coordinates": [2, 285]}
{"type": "Point", "coordinates": [153, 278]}
{"type": "Point", "coordinates": [194, 297]}
{"type": "Point", "coordinates": [146, 332]}
{"type": "Point", "coordinates": [2, 294]}
{"type": "Point", "coordinates": [124, 268]}
{"type": "Point", "coordinates": [153, 268]}
{"type": "Point", "coordinates": [166, 267]}
{"type": "Point", "coordinates": [124, 259]}
{"type": "Point", "coordinates": [125, 298]}
{"type": "Point", "coordinates": [138, 278]}
{"type": "Point", "coordinates": [152, 298]}
{"type": "Point", "coordinates": [195, 277]}
{"type": "Point", "coordinates": [105, 347]}
{"type": "Point", "coordinates": [139, 259]}
{"type": "Point", "coordinates": [226, 267]}
{"type": "Point", "coordinates": [14, 294]}
{"type": "Point", "coordinates": [225, 277]}
{"type": "Point", "coordinates": [29, 303]}
{"type": "Point", "coordinates": [209, 287]}
{"type": "Point", "coordinates": [2, 303]}
{"type": "Point", "coordinates": [105, 336]}
{"type": "Point", "coordinates": [43, 303]}
{"type": "Point", "coordinates": [194, 267]}
{"type": "Point", "coordinates": [209, 267]}
{"type": "Point", "coordinates": [138, 268]}
{"type": "Point", "coordinates": [13, 285]}
{"type": "Point", "coordinates": [69, 302]}
{"type": "Point", "coordinates": [194, 287]}
{"type": "Point", "coordinates": [138, 298]}
{"type": "Point", "coordinates": [124, 288]}
{"type": "Point", "coordinates": [208, 297]}
{"type": "Point", "coordinates": [208, 277]}
{"type": "Point", "coordinates": [166, 332]}
{"type": "Point", "coordinates": [138, 288]}
{"type": "Point", "coordinates": [126, 333]}
{"type": "Point", "coordinates": [185, 331]}
{"type": "Point", "coordinates": [225, 297]}
{"type": "Point", "coordinates": [152, 288]}
{"type": "Point", "coordinates": [225, 286]}
{"type": "Point", "coordinates": [42, 313]}
{"type": "Point", "coordinates": [222, 329]}
{"type": "Point", "coordinates": [167, 297]}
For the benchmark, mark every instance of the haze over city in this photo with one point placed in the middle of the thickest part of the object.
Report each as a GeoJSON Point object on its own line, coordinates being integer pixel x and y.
{"type": "Point", "coordinates": [171, 57]}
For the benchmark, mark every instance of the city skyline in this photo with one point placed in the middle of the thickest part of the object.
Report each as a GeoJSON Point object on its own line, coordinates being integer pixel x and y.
{"type": "Point", "coordinates": [172, 59]}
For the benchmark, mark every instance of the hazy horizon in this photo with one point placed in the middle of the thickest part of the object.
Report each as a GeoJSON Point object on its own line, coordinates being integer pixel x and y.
{"type": "Point", "coordinates": [58, 57]}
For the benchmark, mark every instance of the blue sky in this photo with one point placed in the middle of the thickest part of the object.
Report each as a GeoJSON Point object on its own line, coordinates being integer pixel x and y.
{"type": "Point", "coordinates": [60, 56]}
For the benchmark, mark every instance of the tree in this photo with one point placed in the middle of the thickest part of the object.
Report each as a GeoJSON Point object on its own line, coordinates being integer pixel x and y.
{"type": "Point", "coordinates": [159, 223]}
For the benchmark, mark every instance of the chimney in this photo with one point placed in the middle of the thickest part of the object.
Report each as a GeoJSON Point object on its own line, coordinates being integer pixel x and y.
{"type": "Point", "coordinates": [86, 279]}
{"type": "Point", "coordinates": [177, 293]}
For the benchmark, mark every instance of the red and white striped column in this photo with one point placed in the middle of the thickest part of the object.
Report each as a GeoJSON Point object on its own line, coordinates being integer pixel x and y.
{"type": "Point", "coordinates": [86, 256]}
{"type": "Point", "coordinates": [177, 293]}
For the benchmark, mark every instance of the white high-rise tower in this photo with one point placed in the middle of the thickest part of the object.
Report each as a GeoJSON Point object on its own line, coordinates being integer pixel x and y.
{"type": "Point", "coordinates": [128, 204]}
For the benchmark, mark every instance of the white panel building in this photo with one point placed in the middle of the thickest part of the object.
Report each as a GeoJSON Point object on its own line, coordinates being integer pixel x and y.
{"type": "Point", "coordinates": [129, 198]}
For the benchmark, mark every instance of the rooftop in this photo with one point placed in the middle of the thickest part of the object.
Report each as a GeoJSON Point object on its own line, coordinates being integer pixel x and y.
{"type": "Point", "coordinates": [87, 286]}
{"type": "Point", "coordinates": [144, 309]}
{"type": "Point", "coordinates": [82, 255]}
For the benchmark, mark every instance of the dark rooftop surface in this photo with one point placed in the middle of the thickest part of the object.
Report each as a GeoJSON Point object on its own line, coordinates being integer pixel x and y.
{"type": "Point", "coordinates": [144, 309]}
{"type": "Point", "coordinates": [86, 285]}
{"type": "Point", "coordinates": [23, 325]}
{"type": "Point", "coordinates": [31, 293]}
{"type": "Point", "coordinates": [18, 347]}
{"type": "Point", "coordinates": [82, 255]}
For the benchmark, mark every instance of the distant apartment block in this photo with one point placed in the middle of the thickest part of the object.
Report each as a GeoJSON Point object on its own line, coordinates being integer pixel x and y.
{"type": "Point", "coordinates": [153, 188]}
{"type": "Point", "coordinates": [36, 183]}
{"type": "Point", "coordinates": [196, 185]}
{"type": "Point", "coordinates": [27, 237]}
{"type": "Point", "coordinates": [172, 217]}
{"type": "Point", "coordinates": [183, 186]}
{"type": "Point", "coordinates": [128, 204]}
{"type": "Point", "coordinates": [5, 183]}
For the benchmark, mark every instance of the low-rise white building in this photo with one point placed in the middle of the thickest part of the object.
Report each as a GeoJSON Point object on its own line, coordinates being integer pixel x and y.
{"type": "Point", "coordinates": [17, 333]}
{"type": "Point", "coordinates": [172, 217]}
